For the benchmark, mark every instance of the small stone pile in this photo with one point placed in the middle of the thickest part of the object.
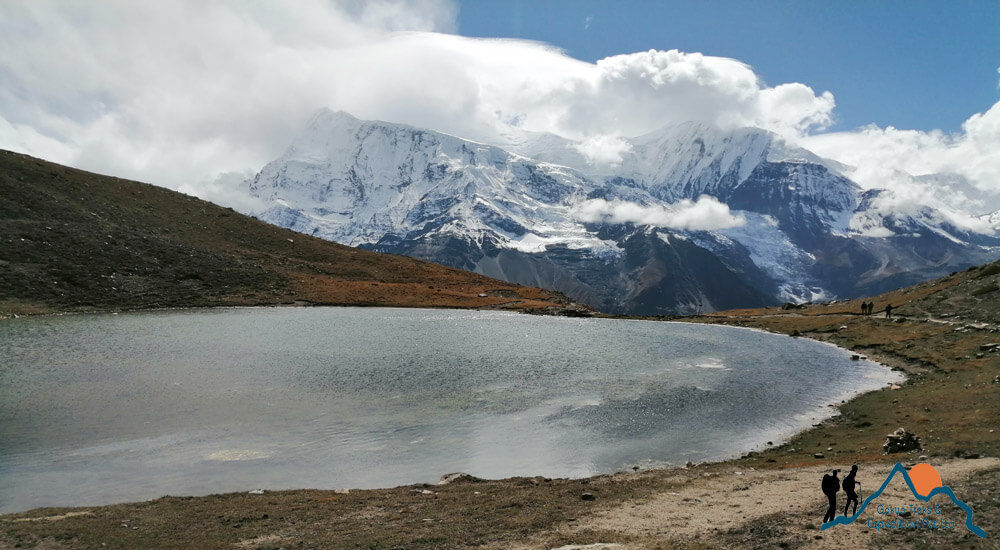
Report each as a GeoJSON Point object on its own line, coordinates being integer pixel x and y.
{"type": "Point", "coordinates": [901, 441]}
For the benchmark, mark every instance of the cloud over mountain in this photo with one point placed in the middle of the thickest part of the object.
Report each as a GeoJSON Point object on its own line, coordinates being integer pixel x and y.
{"type": "Point", "coordinates": [178, 93]}
{"type": "Point", "coordinates": [704, 214]}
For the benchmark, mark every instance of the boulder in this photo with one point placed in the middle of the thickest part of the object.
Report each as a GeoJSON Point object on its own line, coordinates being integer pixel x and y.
{"type": "Point", "coordinates": [458, 477]}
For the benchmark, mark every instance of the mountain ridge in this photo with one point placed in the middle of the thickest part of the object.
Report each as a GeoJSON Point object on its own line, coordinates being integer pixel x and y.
{"type": "Point", "coordinates": [520, 214]}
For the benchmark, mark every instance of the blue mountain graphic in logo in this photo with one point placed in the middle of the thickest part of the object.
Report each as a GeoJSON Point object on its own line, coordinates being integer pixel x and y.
{"type": "Point", "coordinates": [899, 469]}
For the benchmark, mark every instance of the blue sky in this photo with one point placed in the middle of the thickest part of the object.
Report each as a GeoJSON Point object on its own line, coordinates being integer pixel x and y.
{"type": "Point", "coordinates": [910, 64]}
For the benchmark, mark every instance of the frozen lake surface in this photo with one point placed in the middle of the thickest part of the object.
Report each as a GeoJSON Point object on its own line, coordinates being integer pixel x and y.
{"type": "Point", "coordinates": [96, 409]}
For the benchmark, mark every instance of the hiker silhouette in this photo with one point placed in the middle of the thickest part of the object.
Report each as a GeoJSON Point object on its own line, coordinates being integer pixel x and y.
{"type": "Point", "coordinates": [888, 311]}
{"type": "Point", "coordinates": [831, 484]}
{"type": "Point", "coordinates": [849, 485]}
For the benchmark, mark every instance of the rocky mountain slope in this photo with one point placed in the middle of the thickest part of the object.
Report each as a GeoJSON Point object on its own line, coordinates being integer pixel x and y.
{"type": "Point", "coordinates": [684, 220]}
{"type": "Point", "coordinates": [74, 241]}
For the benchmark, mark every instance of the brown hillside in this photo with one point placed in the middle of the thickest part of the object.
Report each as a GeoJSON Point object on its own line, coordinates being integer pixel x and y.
{"type": "Point", "coordinates": [72, 240]}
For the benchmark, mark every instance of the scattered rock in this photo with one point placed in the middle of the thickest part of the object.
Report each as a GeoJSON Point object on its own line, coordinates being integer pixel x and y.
{"type": "Point", "coordinates": [855, 357]}
{"type": "Point", "coordinates": [588, 496]}
{"type": "Point", "coordinates": [901, 441]}
{"type": "Point", "coordinates": [993, 346]}
{"type": "Point", "coordinates": [962, 453]}
{"type": "Point", "coordinates": [256, 492]}
{"type": "Point", "coordinates": [458, 477]}
{"type": "Point", "coordinates": [818, 455]}
{"type": "Point", "coordinates": [895, 387]}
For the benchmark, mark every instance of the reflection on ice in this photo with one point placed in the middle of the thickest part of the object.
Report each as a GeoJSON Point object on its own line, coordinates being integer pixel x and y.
{"type": "Point", "coordinates": [98, 409]}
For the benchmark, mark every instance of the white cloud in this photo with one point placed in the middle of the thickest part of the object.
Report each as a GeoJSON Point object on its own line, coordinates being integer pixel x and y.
{"type": "Point", "coordinates": [958, 171]}
{"type": "Point", "coordinates": [177, 92]}
{"type": "Point", "coordinates": [180, 91]}
{"type": "Point", "coordinates": [601, 150]}
{"type": "Point", "coordinates": [705, 214]}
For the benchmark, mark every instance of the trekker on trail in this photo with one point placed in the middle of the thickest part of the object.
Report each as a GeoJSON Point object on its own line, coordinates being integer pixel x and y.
{"type": "Point", "coordinates": [888, 311]}
{"type": "Point", "coordinates": [849, 485]}
{"type": "Point", "coordinates": [831, 484]}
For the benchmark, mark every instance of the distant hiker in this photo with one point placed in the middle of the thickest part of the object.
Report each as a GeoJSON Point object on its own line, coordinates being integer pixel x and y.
{"type": "Point", "coordinates": [831, 484]}
{"type": "Point", "coordinates": [870, 307]}
{"type": "Point", "coordinates": [849, 485]}
{"type": "Point", "coordinates": [864, 308]}
{"type": "Point", "coordinates": [888, 311]}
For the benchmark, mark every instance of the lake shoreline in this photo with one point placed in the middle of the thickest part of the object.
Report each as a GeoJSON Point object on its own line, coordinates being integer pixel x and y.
{"type": "Point", "coordinates": [933, 357]}
{"type": "Point", "coordinates": [589, 411]}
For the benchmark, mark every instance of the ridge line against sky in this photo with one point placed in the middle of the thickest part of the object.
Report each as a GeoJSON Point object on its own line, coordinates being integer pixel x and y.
{"type": "Point", "coordinates": [180, 92]}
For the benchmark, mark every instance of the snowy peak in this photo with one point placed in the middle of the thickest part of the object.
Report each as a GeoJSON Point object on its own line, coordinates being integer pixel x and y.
{"type": "Point", "coordinates": [617, 223]}
{"type": "Point", "coordinates": [356, 181]}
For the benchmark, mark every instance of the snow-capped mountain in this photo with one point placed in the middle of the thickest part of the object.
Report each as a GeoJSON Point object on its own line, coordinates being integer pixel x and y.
{"type": "Point", "coordinates": [794, 228]}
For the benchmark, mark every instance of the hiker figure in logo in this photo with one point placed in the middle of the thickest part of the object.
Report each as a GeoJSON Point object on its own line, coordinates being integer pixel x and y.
{"type": "Point", "coordinates": [831, 484]}
{"type": "Point", "coordinates": [849, 486]}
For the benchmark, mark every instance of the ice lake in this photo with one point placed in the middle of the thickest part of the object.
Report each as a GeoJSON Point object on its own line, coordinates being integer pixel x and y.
{"type": "Point", "coordinates": [96, 409]}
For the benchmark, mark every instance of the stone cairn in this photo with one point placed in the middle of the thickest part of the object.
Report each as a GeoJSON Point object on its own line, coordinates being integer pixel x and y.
{"type": "Point", "coordinates": [901, 441]}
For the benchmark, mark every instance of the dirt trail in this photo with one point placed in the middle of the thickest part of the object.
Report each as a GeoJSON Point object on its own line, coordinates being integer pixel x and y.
{"type": "Point", "coordinates": [707, 506]}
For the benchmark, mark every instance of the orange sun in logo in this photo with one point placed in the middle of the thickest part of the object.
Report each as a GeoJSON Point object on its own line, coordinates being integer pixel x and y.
{"type": "Point", "coordinates": [925, 478]}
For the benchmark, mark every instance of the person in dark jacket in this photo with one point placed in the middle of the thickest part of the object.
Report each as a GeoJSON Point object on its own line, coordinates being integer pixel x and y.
{"type": "Point", "coordinates": [849, 489]}
{"type": "Point", "coordinates": [831, 484]}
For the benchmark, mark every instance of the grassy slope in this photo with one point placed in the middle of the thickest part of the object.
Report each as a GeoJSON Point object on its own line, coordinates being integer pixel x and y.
{"type": "Point", "coordinates": [950, 399]}
{"type": "Point", "coordinates": [74, 241]}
